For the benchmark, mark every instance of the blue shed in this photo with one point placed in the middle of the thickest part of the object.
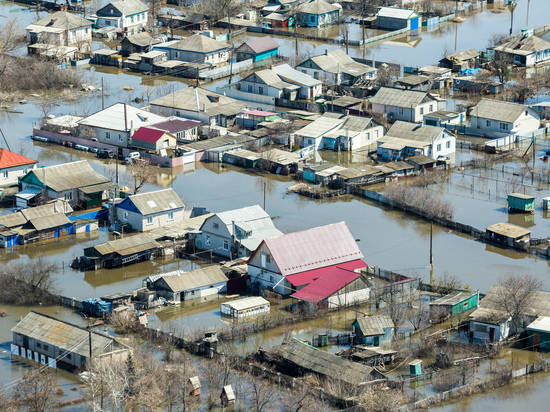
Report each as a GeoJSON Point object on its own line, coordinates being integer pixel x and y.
{"type": "Point", "coordinates": [258, 49]}
{"type": "Point", "coordinates": [373, 330]}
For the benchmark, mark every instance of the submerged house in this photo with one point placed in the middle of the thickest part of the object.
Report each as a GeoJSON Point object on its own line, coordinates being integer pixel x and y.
{"type": "Point", "coordinates": [199, 48]}
{"type": "Point", "coordinates": [179, 286]}
{"type": "Point", "coordinates": [497, 118]}
{"type": "Point", "coordinates": [235, 233]}
{"type": "Point", "coordinates": [13, 166]}
{"type": "Point", "coordinates": [466, 59]}
{"type": "Point", "coordinates": [406, 105]}
{"type": "Point", "coordinates": [393, 18]}
{"type": "Point", "coordinates": [77, 182]}
{"type": "Point", "coordinates": [406, 139]}
{"type": "Point", "coordinates": [527, 51]}
{"type": "Point", "coordinates": [317, 13]}
{"type": "Point", "coordinates": [373, 330]}
{"type": "Point", "coordinates": [147, 211]}
{"type": "Point", "coordinates": [61, 29]}
{"type": "Point", "coordinates": [58, 344]}
{"type": "Point", "coordinates": [321, 265]}
{"type": "Point", "coordinates": [152, 139]}
{"type": "Point", "coordinates": [454, 303]}
{"type": "Point", "coordinates": [127, 16]}
{"type": "Point", "coordinates": [491, 323]}
{"type": "Point", "coordinates": [185, 130]}
{"type": "Point", "coordinates": [335, 67]}
{"type": "Point", "coordinates": [309, 87]}
{"type": "Point", "coordinates": [258, 49]}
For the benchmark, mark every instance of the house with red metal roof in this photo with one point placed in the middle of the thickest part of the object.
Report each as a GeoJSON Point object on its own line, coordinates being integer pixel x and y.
{"type": "Point", "coordinates": [148, 138]}
{"type": "Point", "coordinates": [185, 130]}
{"type": "Point", "coordinates": [13, 166]}
{"type": "Point", "coordinates": [321, 265]}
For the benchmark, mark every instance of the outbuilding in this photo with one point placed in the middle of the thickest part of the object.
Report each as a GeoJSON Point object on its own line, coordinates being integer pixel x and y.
{"type": "Point", "coordinates": [148, 138]}
{"type": "Point", "coordinates": [373, 330]}
{"type": "Point", "coordinates": [507, 234]}
{"type": "Point", "coordinates": [539, 333]}
{"type": "Point", "coordinates": [258, 49]}
{"type": "Point", "coordinates": [455, 303]}
{"type": "Point", "coordinates": [518, 202]}
{"type": "Point", "coordinates": [393, 18]}
{"type": "Point", "coordinates": [240, 308]}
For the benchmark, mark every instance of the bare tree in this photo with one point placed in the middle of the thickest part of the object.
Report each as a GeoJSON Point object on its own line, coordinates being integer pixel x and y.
{"type": "Point", "coordinates": [35, 393]}
{"type": "Point", "coordinates": [393, 307]}
{"type": "Point", "coordinates": [514, 295]}
{"type": "Point", "coordinates": [500, 65]}
{"type": "Point", "coordinates": [28, 283]}
{"type": "Point", "coordinates": [142, 172]}
{"type": "Point", "coordinates": [108, 385]}
{"type": "Point", "coordinates": [259, 392]}
{"type": "Point", "coordinates": [376, 400]}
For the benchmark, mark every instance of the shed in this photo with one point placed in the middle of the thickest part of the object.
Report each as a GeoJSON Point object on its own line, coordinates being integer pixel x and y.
{"type": "Point", "coordinates": [456, 303]}
{"type": "Point", "coordinates": [195, 383]}
{"type": "Point", "coordinates": [242, 157]}
{"type": "Point", "coordinates": [227, 396]}
{"type": "Point", "coordinates": [148, 138]}
{"type": "Point", "coordinates": [519, 202]}
{"type": "Point", "coordinates": [393, 18]}
{"type": "Point", "coordinates": [415, 367]}
{"type": "Point", "coordinates": [507, 234]}
{"type": "Point", "coordinates": [372, 330]}
{"type": "Point", "coordinates": [251, 306]}
{"type": "Point", "coordinates": [539, 333]}
{"type": "Point", "coordinates": [258, 49]}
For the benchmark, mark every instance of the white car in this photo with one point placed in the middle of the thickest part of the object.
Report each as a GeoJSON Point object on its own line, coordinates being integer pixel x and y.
{"type": "Point", "coordinates": [130, 157]}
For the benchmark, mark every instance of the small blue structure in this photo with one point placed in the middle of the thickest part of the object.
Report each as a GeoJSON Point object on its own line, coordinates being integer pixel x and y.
{"type": "Point", "coordinates": [318, 13]}
{"type": "Point", "coordinates": [373, 330]}
{"type": "Point", "coordinates": [258, 49]}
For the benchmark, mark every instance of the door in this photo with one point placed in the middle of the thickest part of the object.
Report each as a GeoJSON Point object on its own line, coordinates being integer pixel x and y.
{"type": "Point", "coordinates": [492, 334]}
{"type": "Point", "coordinates": [536, 340]}
{"type": "Point", "coordinates": [87, 228]}
{"type": "Point", "coordinates": [377, 341]}
{"type": "Point", "coordinates": [414, 23]}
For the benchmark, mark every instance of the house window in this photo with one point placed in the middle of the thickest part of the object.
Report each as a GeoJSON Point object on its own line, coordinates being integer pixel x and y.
{"type": "Point", "coordinates": [170, 215]}
{"type": "Point", "coordinates": [216, 226]}
{"type": "Point", "coordinates": [439, 147]}
{"type": "Point", "coordinates": [504, 126]}
{"type": "Point", "coordinates": [45, 347]}
{"type": "Point", "coordinates": [149, 220]}
{"type": "Point", "coordinates": [107, 135]}
{"type": "Point", "coordinates": [125, 216]}
{"type": "Point", "coordinates": [260, 90]}
{"type": "Point", "coordinates": [250, 89]}
{"type": "Point", "coordinates": [312, 18]}
{"type": "Point", "coordinates": [120, 137]}
{"type": "Point", "coordinates": [68, 356]}
{"type": "Point", "coordinates": [431, 107]}
{"type": "Point", "coordinates": [401, 111]}
{"type": "Point", "coordinates": [271, 279]}
{"type": "Point", "coordinates": [226, 244]}
{"type": "Point", "coordinates": [421, 110]}
{"type": "Point", "coordinates": [5, 173]}
{"type": "Point", "coordinates": [488, 123]}
{"type": "Point", "coordinates": [316, 75]}
{"type": "Point", "coordinates": [38, 345]}
{"type": "Point", "coordinates": [107, 23]}
{"type": "Point", "coordinates": [304, 71]}
{"type": "Point", "coordinates": [448, 144]}
{"type": "Point", "coordinates": [68, 196]}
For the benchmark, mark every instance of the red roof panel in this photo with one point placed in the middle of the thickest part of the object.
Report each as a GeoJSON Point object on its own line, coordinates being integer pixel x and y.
{"type": "Point", "coordinates": [10, 159]}
{"type": "Point", "coordinates": [306, 277]}
{"type": "Point", "coordinates": [326, 285]}
{"type": "Point", "coordinates": [146, 134]}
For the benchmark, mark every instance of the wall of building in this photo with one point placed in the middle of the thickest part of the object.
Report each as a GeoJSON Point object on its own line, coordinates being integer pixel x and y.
{"type": "Point", "coordinates": [260, 88]}
{"type": "Point", "coordinates": [139, 222]}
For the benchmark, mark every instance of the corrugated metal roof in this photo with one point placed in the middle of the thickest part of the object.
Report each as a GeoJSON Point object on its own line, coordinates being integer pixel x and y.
{"type": "Point", "coordinates": [326, 285]}
{"type": "Point", "coordinates": [337, 61]}
{"type": "Point", "coordinates": [319, 127]}
{"type": "Point", "coordinates": [156, 202]}
{"type": "Point", "coordinates": [374, 325]}
{"type": "Point", "coordinates": [508, 230]}
{"type": "Point", "coordinates": [63, 335]}
{"type": "Point", "coordinates": [10, 159]}
{"type": "Point", "coordinates": [453, 298]}
{"type": "Point", "coordinates": [290, 74]}
{"type": "Point", "coordinates": [66, 176]}
{"type": "Point", "coordinates": [321, 362]}
{"type": "Point", "coordinates": [400, 98]}
{"type": "Point", "coordinates": [260, 44]}
{"type": "Point", "coordinates": [413, 131]}
{"type": "Point", "coordinates": [317, 7]}
{"type": "Point", "coordinates": [50, 222]}
{"type": "Point", "coordinates": [396, 13]}
{"type": "Point", "coordinates": [128, 245]}
{"type": "Point", "coordinates": [303, 278]}
{"type": "Point", "coordinates": [499, 110]}
{"type": "Point", "coordinates": [113, 118]}
{"type": "Point", "coordinates": [313, 248]}
{"type": "Point", "coordinates": [179, 281]}
{"type": "Point", "coordinates": [246, 303]}
{"type": "Point", "coordinates": [199, 43]}
{"type": "Point", "coordinates": [176, 125]}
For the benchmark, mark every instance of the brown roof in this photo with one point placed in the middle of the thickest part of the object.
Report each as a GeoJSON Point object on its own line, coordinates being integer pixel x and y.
{"type": "Point", "coordinates": [261, 44]}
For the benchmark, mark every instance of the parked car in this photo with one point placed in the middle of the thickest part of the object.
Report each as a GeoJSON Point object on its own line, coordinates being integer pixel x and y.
{"type": "Point", "coordinates": [132, 156]}
{"type": "Point", "coordinates": [105, 154]}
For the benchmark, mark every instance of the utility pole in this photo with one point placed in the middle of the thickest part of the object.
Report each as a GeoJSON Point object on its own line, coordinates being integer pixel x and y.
{"type": "Point", "coordinates": [264, 193]}
{"type": "Point", "coordinates": [102, 95]}
{"type": "Point", "coordinates": [512, 7]}
{"type": "Point", "coordinates": [90, 340]}
{"type": "Point", "coordinates": [431, 244]}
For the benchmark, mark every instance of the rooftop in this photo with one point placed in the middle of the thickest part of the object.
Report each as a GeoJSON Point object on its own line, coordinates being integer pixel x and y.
{"type": "Point", "coordinates": [290, 74]}
{"type": "Point", "coordinates": [521, 196]}
{"type": "Point", "coordinates": [540, 324]}
{"type": "Point", "coordinates": [317, 7]}
{"type": "Point", "coordinates": [463, 55]}
{"type": "Point", "coordinates": [453, 298]}
{"type": "Point", "coordinates": [155, 202]}
{"type": "Point", "coordinates": [192, 99]}
{"type": "Point", "coordinates": [508, 230]}
{"type": "Point", "coordinates": [413, 131]}
{"type": "Point", "coordinates": [176, 125]}
{"type": "Point", "coordinates": [498, 110]}
{"type": "Point", "coordinates": [200, 44]}
{"type": "Point", "coordinates": [260, 44]}
{"type": "Point", "coordinates": [374, 325]}
{"type": "Point", "coordinates": [337, 61]}
{"type": "Point", "coordinates": [127, 7]}
{"type": "Point", "coordinates": [10, 159]}
{"type": "Point", "coordinates": [179, 281]}
{"type": "Point", "coordinates": [125, 246]}
{"type": "Point", "coordinates": [524, 46]}
{"type": "Point", "coordinates": [400, 97]}
{"type": "Point", "coordinates": [396, 13]}
{"type": "Point", "coordinates": [313, 248]}
{"type": "Point", "coordinates": [147, 134]}
{"type": "Point", "coordinates": [247, 303]}
{"type": "Point", "coordinates": [62, 20]}
{"type": "Point", "coordinates": [121, 117]}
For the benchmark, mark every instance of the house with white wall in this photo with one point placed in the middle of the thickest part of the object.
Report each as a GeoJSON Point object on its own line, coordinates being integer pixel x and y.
{"type": "Point", "coordinates": [310, 88]}
{"type": "Point", "coordinates": [309, 264]}
{"type": "Point", "coordinates": [497, 118]}
{"type": "Point", "coordinates": [61, 29]}
{"type": "Point", "coordinates": [406, 139]}
{"type": "Point", "coordinates": [116, 124]}
{"type": "Point", "coordinates": [339, 133]}
{"type": "Point", "coordinates": [235, 233]}
{"type": "Point", "coordinates": [199, 48]}
{"type": "Point", "coordinates": [13, 166]}
{"type": "Point", "coordinates": [335, 67]}
{"type": "Point", "coordinates": [406, 105]}
{"type": "Point", "coordinates": [525, 51]}
{"type": "Point", "coordinates": [267, 82]}
{"type": "Point", "coordinates": [146, 211]}
{"type": "Point", "coordinates": [490, 322]}
{"type": "Point", "coordinates": [127, 16]}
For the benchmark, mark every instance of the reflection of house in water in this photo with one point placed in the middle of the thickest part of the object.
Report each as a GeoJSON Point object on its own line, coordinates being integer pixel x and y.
{"type": "Point", "coordinates": [521, 219]}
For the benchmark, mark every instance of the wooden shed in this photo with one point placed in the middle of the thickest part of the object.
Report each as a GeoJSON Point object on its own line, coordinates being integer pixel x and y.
{"type": "Point", "coordinates": [227, 396]}
{"type": "Point", "coordinates": [507, 234]}
{"type": "Point", "coordinates": [455, 303]}
{"type": "Point", "coordinates": [518, 202]}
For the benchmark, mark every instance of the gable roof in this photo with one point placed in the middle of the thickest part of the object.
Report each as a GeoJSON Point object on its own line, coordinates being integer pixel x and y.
{"type": "Point", "coordinates": [374, 325]}
{"type": "Point", "coordinates": [200, 44]}
{"type": "Point", "coordinates": [157, 201]}
{"type": "Point", "coordinates": [142, 39]}
{"type": "Point", "coordinates": [524, 46]}
{"type": "Point", "coordinates": [49, 222]}
{"type": "Point", "coordinates": [127, 7]}
{"type": "Point", "coordinates": [337, 61]}
{"type": "Point", "coordinates": [413, 131]}
{"type": "Point", "coordinates": [260, 44]}
{"type": "Point", "coordinates": [179, 281]}
{"type": "Point", "coordinates": [288, 73]}
{"type": "Point", "coordinates": [270, 78]}
{"type": "Point", "coordinates": [313, 248]}
{"type": "Point", "coordinates": [10, 159]}
{"type": "Point", "coordinates": [62, 20]}
{"type": "Point", "coordinates": [317, 7]}
{"type": "Point", "coordinates": [66, 176]}
{"type": "Point", "coordinates": [319, 127]}
{"type": "Point", "coordinates": [208, 102]}
{"type": "Point", "coordinates": [112, 118]}
{"type": "Point", "coordinates": [176, 125]}
{"type": "Point", "coordinates": [463, 55]}
{"type": "Point", "coordinates": [499, 110]}
{"type": "Point", "coordinates": [400, 98]}
{"type": "Point", "coordinates": [148, 134]}
{"type": "Point", "coordinates": [64, 335]}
